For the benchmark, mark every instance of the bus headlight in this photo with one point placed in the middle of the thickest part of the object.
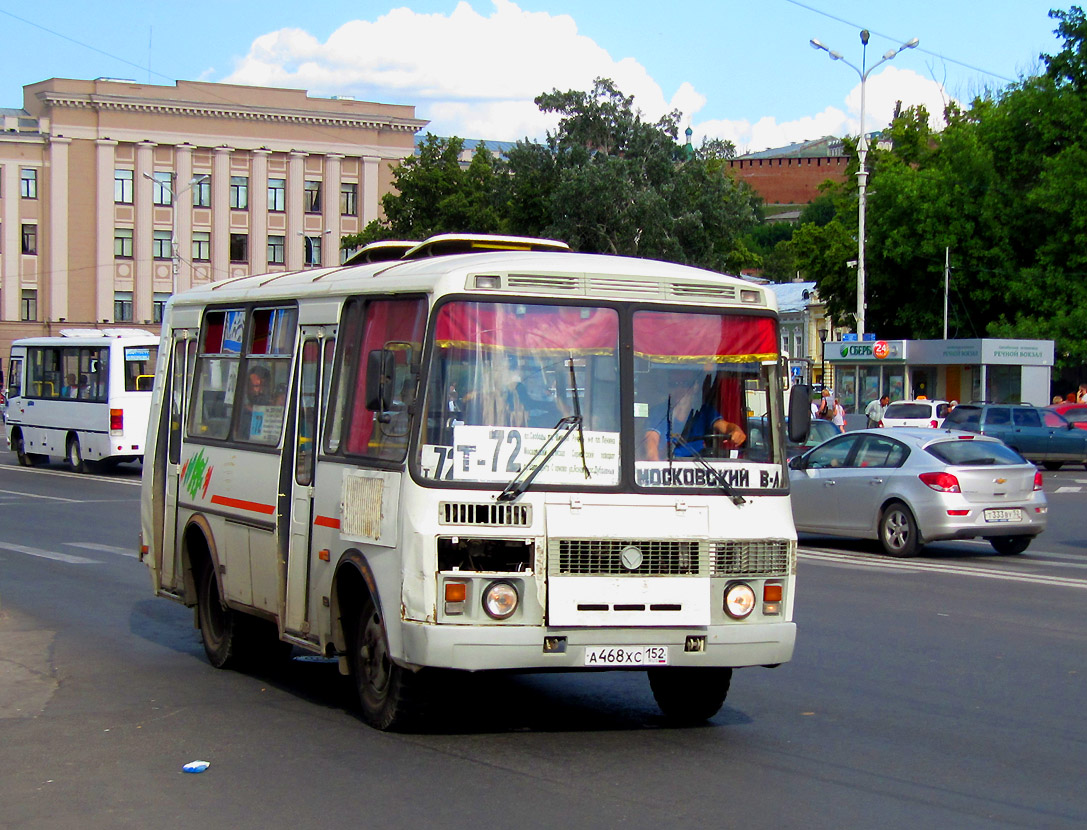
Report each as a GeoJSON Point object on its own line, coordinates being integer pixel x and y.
{"type": "Point", "coordinates": [500, 600]}
{"type": "Point", "coordinates": [739, 600]}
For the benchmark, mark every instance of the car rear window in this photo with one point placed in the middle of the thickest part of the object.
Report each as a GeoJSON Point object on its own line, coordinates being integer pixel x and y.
{"type": "Point", "coordinates": [908, 410]}
{"type": "Point", "coordinates": [962, 453]}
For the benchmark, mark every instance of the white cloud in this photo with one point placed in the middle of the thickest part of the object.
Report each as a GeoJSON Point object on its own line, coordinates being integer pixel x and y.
{"type": "Point", "coordinates": [471, 74]}
{"type": "Point", "coordinates": [475, 75]}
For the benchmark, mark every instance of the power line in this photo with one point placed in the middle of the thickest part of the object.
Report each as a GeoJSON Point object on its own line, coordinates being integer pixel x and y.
{"type": "Point", "coordinates": [971, 67]}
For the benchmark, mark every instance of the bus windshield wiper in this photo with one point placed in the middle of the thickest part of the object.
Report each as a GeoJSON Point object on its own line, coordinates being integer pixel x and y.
{"type": "Point", "coordinates": [548, 448]}
{"type": "Point", "coordinates": [519, 483]}
{"type": "Point", "coordinates": [725, 487]}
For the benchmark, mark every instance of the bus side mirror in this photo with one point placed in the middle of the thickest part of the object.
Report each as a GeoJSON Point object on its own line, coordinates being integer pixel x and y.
{"type": "Point", "coordinates": [799, 413]}
{"type": "Point", "coordinates": [380, 368]}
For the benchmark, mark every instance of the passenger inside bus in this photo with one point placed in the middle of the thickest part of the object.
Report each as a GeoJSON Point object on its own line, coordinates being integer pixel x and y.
{"type": "Point", "coordinates": [70, 389]}
{"type": "Point", "coordinates": [688, 417]}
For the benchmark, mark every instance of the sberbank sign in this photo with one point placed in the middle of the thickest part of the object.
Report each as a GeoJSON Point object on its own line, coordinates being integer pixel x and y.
{"type": "Point", "coordinates": [857, 350]}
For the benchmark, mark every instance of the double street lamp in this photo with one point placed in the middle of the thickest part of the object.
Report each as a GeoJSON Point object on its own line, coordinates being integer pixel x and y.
{"type": "Point", "coordinates": [862, 154]}
{"type": "Point", "coordinates": [175, 252]}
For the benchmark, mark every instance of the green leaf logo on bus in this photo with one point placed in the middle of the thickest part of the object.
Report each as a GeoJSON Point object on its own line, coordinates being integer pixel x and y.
{"type": "Point", "coordinates": [196, 475]}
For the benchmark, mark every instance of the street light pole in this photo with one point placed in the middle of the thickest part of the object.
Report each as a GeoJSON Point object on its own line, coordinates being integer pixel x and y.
{"type": "Point", "coordinates": [175, 253]}
{"type": "Point", "coordinates": [862, 156]}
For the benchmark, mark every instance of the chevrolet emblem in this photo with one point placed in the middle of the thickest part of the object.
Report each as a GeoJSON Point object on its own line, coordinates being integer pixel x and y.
{"type": "Point", "coordinates": [1001, 480]}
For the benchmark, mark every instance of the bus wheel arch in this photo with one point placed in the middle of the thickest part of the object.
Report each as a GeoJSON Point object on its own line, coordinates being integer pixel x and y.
{"type": "Point", "coordinates": [26, 459]}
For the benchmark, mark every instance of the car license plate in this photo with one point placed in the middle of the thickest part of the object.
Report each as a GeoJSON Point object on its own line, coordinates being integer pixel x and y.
{"type": "Point", "coordinates": [626, 656]}
{"type": "Point", "coordinates": [1013, 515]}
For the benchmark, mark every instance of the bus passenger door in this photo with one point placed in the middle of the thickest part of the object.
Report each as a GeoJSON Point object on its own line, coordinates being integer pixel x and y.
{"type": "Point", "coordinates": [174, 398]}
{"type": "Point", "coordinates": [312, 367]}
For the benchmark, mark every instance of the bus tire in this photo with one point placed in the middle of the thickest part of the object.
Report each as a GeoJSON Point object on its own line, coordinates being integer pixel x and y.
{"type": "Point", "coordinates": [390, 695]}
{"type": "Point", "coordinates": [20, 449]}
{"type": "Point", "coordinates": [74, 454]}
{"type": "Point", "coordinates": [690, 695]}
{"type": "Point", "coordinates": [219, 625]}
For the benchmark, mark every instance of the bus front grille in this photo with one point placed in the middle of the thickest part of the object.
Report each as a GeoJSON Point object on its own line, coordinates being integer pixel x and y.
{"type": "Point", "coordinates": [484, 515]}
{"type": "Point", "coordinates": [753, 557]}
{"type": "Point", "coordinates": [656, 557]}
{"type": "Point", "coordinates": [605, 557]}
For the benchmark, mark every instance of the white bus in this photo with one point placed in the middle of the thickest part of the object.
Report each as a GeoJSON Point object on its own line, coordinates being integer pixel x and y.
{"type": "Point", "coordinates": [84, 396]}
{"type": "Point", "coordinates": [448, 461]}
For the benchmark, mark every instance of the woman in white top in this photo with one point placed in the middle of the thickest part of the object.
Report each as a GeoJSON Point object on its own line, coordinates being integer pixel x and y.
{"type": "Point", "coordinates": [839, 416]}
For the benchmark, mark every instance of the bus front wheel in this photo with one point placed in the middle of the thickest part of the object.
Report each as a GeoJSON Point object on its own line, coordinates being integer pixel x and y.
{"type": "Point", "coordinates": [27, 459]}
{"type": "Point", "coordinates": [690, 695]}
{"type": "Point", "coordinates": [390, 695]}
{"type": "Point", "coordinates": [218, 624]}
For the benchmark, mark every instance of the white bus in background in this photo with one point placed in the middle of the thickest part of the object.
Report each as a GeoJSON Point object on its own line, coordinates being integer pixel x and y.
{"type": "Point", "coordinates": [442, 461]}
{"type": "Point", "coordinates": [84, 396]}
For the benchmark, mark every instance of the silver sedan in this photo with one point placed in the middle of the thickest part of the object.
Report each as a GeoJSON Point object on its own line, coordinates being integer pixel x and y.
{"type": "Point", "coordinates": [909, 486]}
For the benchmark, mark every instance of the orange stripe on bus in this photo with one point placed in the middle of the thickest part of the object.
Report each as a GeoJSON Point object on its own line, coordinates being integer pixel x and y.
{"type": "Point", "coordinates": [326, 521]}
{"type": "Point", "coordinates": [242, 504]}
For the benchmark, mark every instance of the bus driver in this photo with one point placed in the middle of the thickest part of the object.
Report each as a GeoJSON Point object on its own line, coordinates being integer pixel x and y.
{"type": "Point", "coordinates": [691, 425]}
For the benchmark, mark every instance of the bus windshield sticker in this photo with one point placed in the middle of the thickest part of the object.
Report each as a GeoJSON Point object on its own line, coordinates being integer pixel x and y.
{"type": "Point", "coordinates": [683, 474]}
{"type": "Point", "coordinates": [492, 453]}
{"type": "Point", "coordinates": [232, 336]}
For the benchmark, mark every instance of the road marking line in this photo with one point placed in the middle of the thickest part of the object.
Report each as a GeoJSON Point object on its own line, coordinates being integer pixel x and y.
{"type": "Point", "coordinates": [35, 496]}
{"type": "Point", "coordinates": [103, 548]}
{"type": "Point", "coordinates": [48, 554]}
{"type": "Point", "coordinates": [1068, 490]}
{"type": "Point", "coordinates": [819, 557]}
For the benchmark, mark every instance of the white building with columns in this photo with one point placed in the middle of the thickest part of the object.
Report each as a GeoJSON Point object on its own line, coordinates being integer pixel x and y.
{"type": "Point", "coordinates": [114, 194]}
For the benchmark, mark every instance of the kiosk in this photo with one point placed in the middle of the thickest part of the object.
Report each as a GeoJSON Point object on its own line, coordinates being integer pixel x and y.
{"type": "Point", "coordinates": [986, 369]}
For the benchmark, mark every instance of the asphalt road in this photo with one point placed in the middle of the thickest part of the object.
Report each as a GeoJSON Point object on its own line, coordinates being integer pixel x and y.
{"type": "Point", "coordinates": [945, 691]}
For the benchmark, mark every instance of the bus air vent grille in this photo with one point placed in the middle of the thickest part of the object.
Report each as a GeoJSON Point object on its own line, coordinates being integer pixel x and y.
{"type": "Point", "coordinates": [485, 515]}
{"type": "Point", "coordinates": [604, 557]}
{"type": "Point", "coordinates": [694, 289]}
{"type": "Point", "coordinates": [754, 557]}
{"type": "Point", "coordinates": [544, 282]}
{"type": "Point", "coordinates": [617, 285]}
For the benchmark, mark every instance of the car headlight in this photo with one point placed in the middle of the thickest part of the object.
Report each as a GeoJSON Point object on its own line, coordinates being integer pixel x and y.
{"type": "Point", "coordinates": [500, 600]}
{"type": "Point", "coordinates": [739, 600]}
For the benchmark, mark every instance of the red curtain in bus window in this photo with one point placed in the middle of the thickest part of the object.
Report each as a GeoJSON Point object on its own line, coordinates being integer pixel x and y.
{"type": "Point", "coordinates": [387, 321]}
{"type": "Point", "coordinates": [719, 338]}
{"type": "Point", "coordinates": [529, 328]}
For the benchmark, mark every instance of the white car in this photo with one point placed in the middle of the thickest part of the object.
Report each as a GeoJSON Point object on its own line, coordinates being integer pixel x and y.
{"type": "Point", "coordinates": [919, 413]}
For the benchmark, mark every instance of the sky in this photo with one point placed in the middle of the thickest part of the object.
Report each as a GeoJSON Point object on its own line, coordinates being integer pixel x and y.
{"type": "Point", "coordinates": [741, 70]}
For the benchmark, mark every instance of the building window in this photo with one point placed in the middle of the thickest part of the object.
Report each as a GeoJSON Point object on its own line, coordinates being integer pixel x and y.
{"type": "Point", "coordinates": [201, 192]}
{"type": "Point", "coordinates": [239, 247]}
{"type": "Point", "coordinates": [349, 199]}
{"type": "Point", "coordinates": [122, 187]}
{"type": "Point", "coordinates": [28, 183]}
{"type": "Point", "coordinates": [162, 245]}
{"type": "Point", "coordinates": [162, 192]}
{"type": "Point", "coordinates": [239, 192]}
{"type": "Point", "coordinates": [29, 306]}
{"type": "Point", "coordinates": [122, 243]}
{"type": "Point", "coordinates": [277, 195]}
{"type": "Point", "coordinates": [313, 250]}
{"type": "Point", "coordinates": [30, 239]}
{"type": "Point", "coordinates": [276, 249]}
{"type": "Point", "coordinates": [312, 197]}
{"type": "Point", "coordinates": [201, 246]}
{"type": "Point", "coordinates": [159, 306]}
{"type": "Point", "coordinates": [122, 306]}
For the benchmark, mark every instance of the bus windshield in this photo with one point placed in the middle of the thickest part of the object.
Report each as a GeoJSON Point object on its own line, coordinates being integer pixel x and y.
{"type": "Point", "coordinates": [502, 377]}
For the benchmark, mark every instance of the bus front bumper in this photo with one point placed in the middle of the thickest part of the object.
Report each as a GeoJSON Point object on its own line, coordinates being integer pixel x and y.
{"type": "Point", "coordinates": [493, 647]}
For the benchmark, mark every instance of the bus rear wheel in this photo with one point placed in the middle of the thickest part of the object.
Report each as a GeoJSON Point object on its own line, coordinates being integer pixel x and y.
{"type": "Point", "coordinates": [690, 695]}
{"type": "Point", "coordinates": [390, 695]}
{"type": "Point", "coordinates": [75, 456]}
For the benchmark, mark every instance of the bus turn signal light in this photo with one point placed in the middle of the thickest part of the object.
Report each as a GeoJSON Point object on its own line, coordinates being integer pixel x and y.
{"type": "Point", "coordinates": [116, 420]}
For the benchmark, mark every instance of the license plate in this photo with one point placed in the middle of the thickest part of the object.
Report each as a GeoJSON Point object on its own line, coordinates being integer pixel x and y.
{"type": "Point", "coordinates": [626, 656]}
{"type": "Point", "coordinates": [994, 515]}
